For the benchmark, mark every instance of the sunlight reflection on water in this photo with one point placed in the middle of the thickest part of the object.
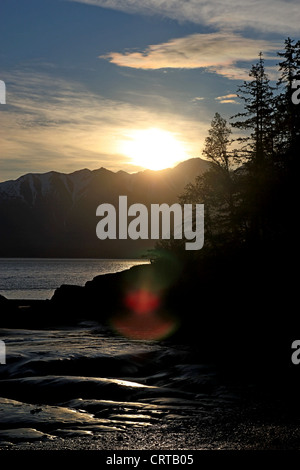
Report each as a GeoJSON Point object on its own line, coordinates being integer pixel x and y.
{"type": "Point", "coordinates": [36, 278]}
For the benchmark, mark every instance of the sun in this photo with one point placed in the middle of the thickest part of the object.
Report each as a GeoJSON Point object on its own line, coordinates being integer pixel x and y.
{"type": "Point", "coordinates": [154, 149]}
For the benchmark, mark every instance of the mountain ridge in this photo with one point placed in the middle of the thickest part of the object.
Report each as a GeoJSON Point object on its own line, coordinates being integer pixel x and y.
{"type": "Point", "coordinates": [54, 214]}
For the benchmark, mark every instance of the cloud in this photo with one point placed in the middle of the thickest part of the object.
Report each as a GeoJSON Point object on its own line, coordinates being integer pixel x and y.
{"type": "Point", "coordinates": [216, 52]}
{"type": "Point", "coordinates": [265, 15]}
{"type": "Point", "coordinates": [230, 98]}
{"type": "Point", "coordinates": [54, 124]}
{"type": "Point", "coordinates": [197, 99]}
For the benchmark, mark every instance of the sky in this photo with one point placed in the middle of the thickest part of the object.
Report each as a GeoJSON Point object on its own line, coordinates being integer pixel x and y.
{"type": "Point", "coordinates": [124, 84]}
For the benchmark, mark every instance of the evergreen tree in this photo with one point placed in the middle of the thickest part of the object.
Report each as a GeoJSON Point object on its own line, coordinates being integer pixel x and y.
{"type": "Point", "coordinates": [258, 116]}
{"type": "Point", "coordinates": [217, 142]}
{"type": "Point", "coordinates": [249, 200]}
{"type": "Point", "coordinates": [288, 141]}
{"type": "Point", "coordinates": [258, 119]}
{"type": "Point", "coordinates": [288, 113]}
{"type": "Point", "coordinates": [216, 188]}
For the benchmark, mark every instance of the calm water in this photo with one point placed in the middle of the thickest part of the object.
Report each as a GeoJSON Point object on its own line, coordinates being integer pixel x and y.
{"type": "Point", "coordinates": [24, 278]}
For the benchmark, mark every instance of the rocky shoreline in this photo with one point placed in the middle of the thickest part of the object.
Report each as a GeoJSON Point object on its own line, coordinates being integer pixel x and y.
{"type": "Point", "coordinates": [246, 332]}
{"type": "Point", "coordinates": [249, 349]}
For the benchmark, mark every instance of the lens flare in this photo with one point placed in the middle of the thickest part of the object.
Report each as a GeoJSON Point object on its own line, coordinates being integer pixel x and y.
{"type": "Point", "coordinates": [143, 318]}
{"type": "Point", "coordinates": [143, 313]}
{"type": "Point", "coordinates": [142, 301]}
{"type": "Point", "coordinates": [153, 327]}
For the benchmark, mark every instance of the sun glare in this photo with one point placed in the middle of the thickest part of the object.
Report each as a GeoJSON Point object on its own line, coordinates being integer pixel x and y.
{"type": "Point", "coordinates": [154, 149]}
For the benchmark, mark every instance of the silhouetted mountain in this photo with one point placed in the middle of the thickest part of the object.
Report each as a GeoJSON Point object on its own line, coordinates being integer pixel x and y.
{"type": "Point", "coordinates": [54, 214]}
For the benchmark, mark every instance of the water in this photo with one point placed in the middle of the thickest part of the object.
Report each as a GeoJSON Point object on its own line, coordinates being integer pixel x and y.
{"type": "Point", "coordinates": [36, 278]}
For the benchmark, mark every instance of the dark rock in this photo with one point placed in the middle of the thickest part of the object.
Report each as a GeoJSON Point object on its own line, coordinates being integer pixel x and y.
{"type": "Point", "coordinates": [67, 293]}
{"type": "Point", "coordinates": [3, 299]}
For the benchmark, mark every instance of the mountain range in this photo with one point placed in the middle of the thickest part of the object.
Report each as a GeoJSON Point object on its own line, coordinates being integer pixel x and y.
{"type": "Point", "coordinates": [54, 214]}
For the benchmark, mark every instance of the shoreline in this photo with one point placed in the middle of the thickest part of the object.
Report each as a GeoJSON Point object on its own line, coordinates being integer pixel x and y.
{"type": "Point", "coordinates": [239, 430]}
{"type": "Point", "coordinates": [267, 419]}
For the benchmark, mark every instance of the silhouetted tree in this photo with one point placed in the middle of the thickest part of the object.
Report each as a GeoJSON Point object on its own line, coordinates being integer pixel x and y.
{"type": "Point", "coordinates": [288, 113]}
{"type": "Point", "coordinates": [258, 117]}
{"type": "Point", "coordinates": [217, 143]}
{"type": "Point", "coordinates": [247, 202]}
{"type": "Point", "coordinates": [216, 187]}
{"type": "Point", "coordinates": [244, 271]}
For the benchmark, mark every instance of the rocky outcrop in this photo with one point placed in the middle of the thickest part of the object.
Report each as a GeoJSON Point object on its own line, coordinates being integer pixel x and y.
{"type": "Point", "coordinates": [3, 299]}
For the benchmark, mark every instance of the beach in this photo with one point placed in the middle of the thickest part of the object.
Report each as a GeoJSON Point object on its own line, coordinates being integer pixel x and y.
{"type": "Point", "coordinates": [84, 375]}
{"type": "Point", "coordinates": [237, 431]}
{"type": "Point", "coordinates": [81, 388]}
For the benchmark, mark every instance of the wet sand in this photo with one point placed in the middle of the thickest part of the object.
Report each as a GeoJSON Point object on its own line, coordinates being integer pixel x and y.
{"type": "Point", "coordinates": [266, 425]}
{"type": "Point", "coordinates": [232, 437]}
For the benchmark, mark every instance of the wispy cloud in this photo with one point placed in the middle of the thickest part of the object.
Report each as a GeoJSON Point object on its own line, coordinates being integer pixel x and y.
{"type": "Point", "coordinates": [230, 98]}
{"type": "Point", "coordinates": [265, 15]}
{"type": "Point", "coordinates": [216, 52]}
{"type": "Point", "coordinates": [53, 124]}
{"type": "Point", "coordinates": [197, 99]}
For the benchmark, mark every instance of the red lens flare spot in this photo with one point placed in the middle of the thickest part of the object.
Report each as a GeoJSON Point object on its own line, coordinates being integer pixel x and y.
{"type": "Point", "coordinates": [143, 317]}
{"type": "Point", "coordinates": [142, 301]}
{"type": "Point", "coordinates": [139, 327]}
